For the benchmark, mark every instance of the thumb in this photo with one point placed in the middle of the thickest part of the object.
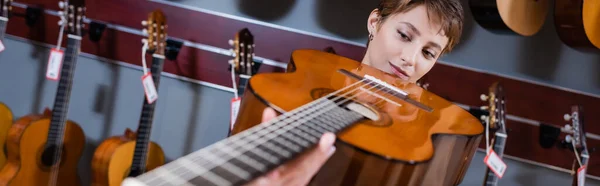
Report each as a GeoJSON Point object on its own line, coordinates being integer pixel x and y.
{"type": "Point", "coordinates": [268, 114]}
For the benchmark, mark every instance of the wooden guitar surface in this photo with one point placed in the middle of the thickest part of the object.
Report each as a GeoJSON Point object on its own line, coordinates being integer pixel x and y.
{"type": "Point", "coordinates": [25, 142]}
{"type": "Point", "coordinates": [113, 157]}
{"type": "Point", "coordinates": [6, 120]}
{"type": "Point", "coordinates": [524, 17]}
{"type": "Point", "coordinates": [591, 20]}
{"type": "Point", "coordinates": [404, 133]}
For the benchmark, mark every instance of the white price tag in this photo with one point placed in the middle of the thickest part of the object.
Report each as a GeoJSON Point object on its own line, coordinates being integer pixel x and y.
{"type": "Point", "coordinates": [235, 107]}
{"type": "Point", "coordinates": [54, 64]}
{"type": "Point", "coordinates": [495, 164]}
{"type": "Point", "coordinates": [1, 46]}
{"type": "Point", "coordinates": [149, 88]}
{"type": "Point", "coordinates": [581, 176]}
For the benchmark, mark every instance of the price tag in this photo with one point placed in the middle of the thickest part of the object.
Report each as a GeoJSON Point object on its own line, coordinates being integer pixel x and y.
{"type": "Point", "coordinates": [1, 46]}
{"type": "Point", "coordinates": [149, 88]}
{"type": "Point", "coordinates": [581, 176]}
{"type": "Point", "coordinates": [493, 161]}
{"type": "Point", "coordinates": [54, 64]}
{"type": "Point", "coordinates": [235, 107]}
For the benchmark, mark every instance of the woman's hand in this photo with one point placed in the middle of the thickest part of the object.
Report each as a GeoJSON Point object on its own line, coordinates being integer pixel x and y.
{"type": "Point", "coordinates": [300, 170]}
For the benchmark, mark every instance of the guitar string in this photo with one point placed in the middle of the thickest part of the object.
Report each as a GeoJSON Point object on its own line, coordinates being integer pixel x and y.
{"type": "Point", "coordinates": [270, 127]}
{"type": "Point", "coordinates": [251, 130]}
{"type": "Point", "coordinates": [314, 114]}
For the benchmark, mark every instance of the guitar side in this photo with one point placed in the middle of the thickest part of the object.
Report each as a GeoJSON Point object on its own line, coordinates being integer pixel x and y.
{"type": "Point", "coordinates": [569, 23]}
{"type": "Point", "coordinates": [6, 120]}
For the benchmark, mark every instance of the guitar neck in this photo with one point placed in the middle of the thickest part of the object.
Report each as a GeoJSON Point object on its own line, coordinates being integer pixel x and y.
{"type": "Point", "coordinates": [3, 22]}
{"type": "Point", "coordinates": [242, 84]}
{"type": "Point", "coordinates": [63, 92]}
{"type": "Point", "coordinates": [499, 143]}
{"type": "Point", "coordinates": [138, 165]}
{"type": "Point", "coordinates": [242, 157]}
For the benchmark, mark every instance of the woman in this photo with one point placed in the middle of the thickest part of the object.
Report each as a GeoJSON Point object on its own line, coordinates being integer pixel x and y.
{"type": "Point", "coordinates": [406, 38]}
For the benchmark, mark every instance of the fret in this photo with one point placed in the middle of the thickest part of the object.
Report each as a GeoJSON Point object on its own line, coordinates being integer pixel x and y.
{"type": "Point", "coordinates": [61, 99]}
{"type": "Point", "coordinates": [251, 153]}
{"type": "Point", "coordinates": [138, 165]}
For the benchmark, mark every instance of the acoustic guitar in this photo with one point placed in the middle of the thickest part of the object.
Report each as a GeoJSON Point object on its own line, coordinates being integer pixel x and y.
{"type": "Point", "coordinates": [132, 154]}
{"type": "Point", "coordinates": [578, 142]}
{"type": "Point", "coordinates": [496, 120]}
{"type": "Point", "coordinates": [578, 23]}
{"type": "Point", "coordinates": [522, 17]}
{"type": "Point", "coordinates": [389, 131]}
{"type": "Point", "coordinates": [45, 149]}
{"type": "Point", "coordinates": [6, 120]}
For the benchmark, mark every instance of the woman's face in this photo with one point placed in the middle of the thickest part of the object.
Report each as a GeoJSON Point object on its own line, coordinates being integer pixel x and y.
{"type": "Point", "coordinates": [406, 44]}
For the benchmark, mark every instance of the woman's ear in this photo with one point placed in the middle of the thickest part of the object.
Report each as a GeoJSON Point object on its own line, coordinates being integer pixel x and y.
{"type": "Point", "coordinates": [373, 21]}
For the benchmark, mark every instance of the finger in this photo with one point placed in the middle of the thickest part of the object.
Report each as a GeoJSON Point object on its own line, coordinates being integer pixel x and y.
{"type": "Point", "coordinates": [300, 170]}
{"type": "Point", "coordinates": [268, 114]}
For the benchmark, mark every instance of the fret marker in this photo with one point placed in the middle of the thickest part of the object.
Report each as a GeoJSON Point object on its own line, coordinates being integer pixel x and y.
{"type": "Point", "coordinates": [1, 46]}
{"type": "Point", "coordinates": [149, 88]}
{"type": "Point", "coordinates": [493, 161]}
{"type": "Point", "coordinates": [54, 64]}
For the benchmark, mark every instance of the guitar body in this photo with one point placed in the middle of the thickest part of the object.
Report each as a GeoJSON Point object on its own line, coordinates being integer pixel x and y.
{"type": "Point", "coordinates": [523, 17]}
{"type": "Point", "coordinates": [578, 23]}
{"type": "Point", "coordinates": [407, 145]}
{"type": "Point", "coordinates": [113, 157]}
{"type": "Point", "coordinates": [6, 120]}
{"type": "Point", "coordinates": [25, 143]}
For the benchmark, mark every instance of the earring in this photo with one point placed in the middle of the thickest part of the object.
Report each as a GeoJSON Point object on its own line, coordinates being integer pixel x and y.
{"type": "Point", "coordinates": [370, 37]}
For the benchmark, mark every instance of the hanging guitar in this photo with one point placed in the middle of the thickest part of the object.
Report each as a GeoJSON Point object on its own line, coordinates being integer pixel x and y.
{"type": "Point", "coordinates": [523, 17]}
{"type": "Point", "coordinates": [45, 150]}
{"type": "Point", "coordinates": [496, 121]}
{"type": "Point", "coordinates": [578, 143]}
{"type": "Point", "coordinates": [132, 154]}
{"type": "Point", "coordinates": [577, 23]}
{"type": "Point", "coordinates": [242, 64]}
{"type": "Point", "coordinates": [374, 114]}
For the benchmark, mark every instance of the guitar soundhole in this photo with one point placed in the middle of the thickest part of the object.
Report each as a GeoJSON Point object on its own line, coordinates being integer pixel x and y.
{"type": "Point", "coordinates": [48, 156]}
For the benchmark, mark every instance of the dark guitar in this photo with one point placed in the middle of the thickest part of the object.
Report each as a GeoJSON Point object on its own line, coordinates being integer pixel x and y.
{"type": "Point", "coordinates": [523, 17]}
{"type": "Point", "coordinates": [389, 131]}
{"type": "Point", "coordinates": [578, 144]}
{"type": "Point", "coordinates": [45, 149]}
{"type": "Point", "coordinates": [496, 121]}
{"type": "Point", "coordinates": [132, 154]}
{"type": "Point", "coordinates": [577, 23]}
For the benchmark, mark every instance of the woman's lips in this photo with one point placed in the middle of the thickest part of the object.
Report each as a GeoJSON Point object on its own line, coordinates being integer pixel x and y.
{"type": "Point", "coordinates": [399, 72]}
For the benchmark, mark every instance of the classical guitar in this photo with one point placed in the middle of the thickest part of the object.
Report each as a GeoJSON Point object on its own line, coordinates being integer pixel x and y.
{"type": "Point", "coordinates": [45, 150]}
{"type": "Point", "coordinates": [578, 143]}
{"type": "Point", "coordinates": [523, 17]}
{"type": "Point", "coordinates": [578, 23]}
{"type": "Point", "coordinates": [496, 121]}
{"type": "Point", "coordinates": [132, 154]}
{"type": "Point", "coordinates": [389, 131]}
{"type": "Point", "coordinates": [6, 120]}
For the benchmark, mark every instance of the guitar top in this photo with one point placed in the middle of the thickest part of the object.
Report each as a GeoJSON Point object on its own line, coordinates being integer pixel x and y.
{"type": "Point", "coordinates": [591, 21]}
{"type": "Point", "coordinates": [523, 17]}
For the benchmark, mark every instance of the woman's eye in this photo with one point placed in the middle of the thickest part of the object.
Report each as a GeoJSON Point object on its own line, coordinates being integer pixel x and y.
{"type": "Point", "coordinates": [428, 54]}
{"type": "Point", "coordinates": [404, 36]}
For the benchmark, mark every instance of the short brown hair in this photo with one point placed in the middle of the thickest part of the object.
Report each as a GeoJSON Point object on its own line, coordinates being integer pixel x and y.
{"type": "Point", "coordinates": [447, 13]}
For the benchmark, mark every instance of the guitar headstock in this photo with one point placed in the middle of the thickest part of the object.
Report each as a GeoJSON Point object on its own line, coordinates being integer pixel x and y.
{"type": "Point", "coordinates": [576, 127]}
{"type": "Point", "coordinates": [496, 107]}
{"type": "Point", "coordinates": [5, 8]}
{"type": "Point", "coordinates": [73, 15]}
{"type": "Point", "coordinates": [243, 48]}
{"type": "Point", "coordinates": [156, 26]}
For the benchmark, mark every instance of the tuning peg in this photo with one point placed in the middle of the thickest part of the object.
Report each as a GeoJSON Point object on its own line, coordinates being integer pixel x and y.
{"type": "Point", "coordinates": [61, 22]}
{"type": "Point", "coordinates": [484, 107]}
{"type": "Point", "coordinates": [144, 23]}
{"type": "Point", "coordinates": [230, 42]}
{"type": "Point", "coordinates": [230, 61]}
{"type": "Point", "coordinates": [61, 4]}
{"type": "Point", "coordinates": [145, 32]}
{"type": "Point", "coordinates": [568, 138]}
{"type": "Point", "coordinates": [567, 117]}
{"type": "Point", "coordinates": [61, 13]}
{"type": "Point", "coordinates": [568, 127]}
{"type": "Point", "coordinates": [483, 97]}
{"type": "Point", "coordinates": [484, 117]}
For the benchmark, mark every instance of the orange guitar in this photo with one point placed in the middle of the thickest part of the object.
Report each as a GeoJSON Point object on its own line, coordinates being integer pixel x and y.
{"type": "Point", "coordinates": [45, 149]}
{"type": "Point", "coordinates": [6, 120]}
{"type": "Point", "coordinates": [132, 154]}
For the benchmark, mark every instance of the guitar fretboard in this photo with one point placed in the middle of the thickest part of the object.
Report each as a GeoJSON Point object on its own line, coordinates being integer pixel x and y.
{"type": "Point", "coordinates": [63, 92]}
{"type": "Point", "coordinates": [242, 157]}
{"type": "Point", "coordinates": [242, 85]}
{"type": "Point", "coordinates": [138, 165]}
{"type": "Point", "coordinates": [498, 146]}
